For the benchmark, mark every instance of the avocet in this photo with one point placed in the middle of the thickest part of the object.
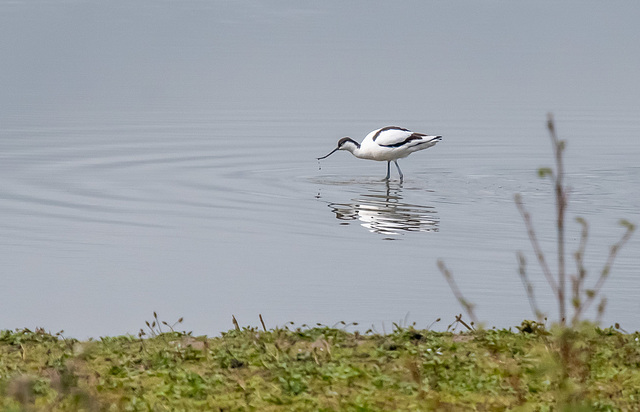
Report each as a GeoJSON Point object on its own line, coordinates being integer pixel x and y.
{"type": "Point", "coordinates": [387, 144]}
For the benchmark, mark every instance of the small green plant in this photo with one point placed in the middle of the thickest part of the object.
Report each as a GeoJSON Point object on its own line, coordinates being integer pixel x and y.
{"type": "Point", "coordinates": [581, 297]}
{"type": "Point", "coordinates": [570, 360]}
{"type": "Point", "coordinates": [154, 328]}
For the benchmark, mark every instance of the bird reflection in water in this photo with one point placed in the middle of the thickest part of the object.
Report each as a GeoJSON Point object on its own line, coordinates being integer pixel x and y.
{"type": "Point", "coordinates": [382, 211]}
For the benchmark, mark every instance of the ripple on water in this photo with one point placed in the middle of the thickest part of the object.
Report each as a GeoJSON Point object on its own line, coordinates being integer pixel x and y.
{"type": "Point", "coordinates": [146, 176]}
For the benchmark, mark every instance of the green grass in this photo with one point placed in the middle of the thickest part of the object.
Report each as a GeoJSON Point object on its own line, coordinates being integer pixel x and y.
{"type": "Point", "coordinates": [323, 369]}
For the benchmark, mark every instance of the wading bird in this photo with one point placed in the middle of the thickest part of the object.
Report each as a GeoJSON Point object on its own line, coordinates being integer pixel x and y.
{"type": "Point", "coordinates": [387, 144]}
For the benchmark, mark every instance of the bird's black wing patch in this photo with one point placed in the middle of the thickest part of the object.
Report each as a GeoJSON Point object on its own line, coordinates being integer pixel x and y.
{"type": "Point", "coordinates": [384, 129]}
{"type": "Point", "coordinates": [414, 136]}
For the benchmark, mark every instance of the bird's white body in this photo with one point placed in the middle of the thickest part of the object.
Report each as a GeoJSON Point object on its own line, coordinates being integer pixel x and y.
{"type": "Point", "coordinates": [393, 143]}
{"type": "Point", "coordinates": [387, 144]}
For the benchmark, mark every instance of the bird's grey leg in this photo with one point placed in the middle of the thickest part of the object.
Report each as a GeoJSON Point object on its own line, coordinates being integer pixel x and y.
{"type": "Point", "coordinates": [388, 171]}
{"type": "Point", "coordinates": [399, 171]}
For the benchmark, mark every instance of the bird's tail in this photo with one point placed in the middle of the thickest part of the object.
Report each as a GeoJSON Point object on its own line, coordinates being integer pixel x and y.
{"type": "Point", "coordinates": [428, 141]}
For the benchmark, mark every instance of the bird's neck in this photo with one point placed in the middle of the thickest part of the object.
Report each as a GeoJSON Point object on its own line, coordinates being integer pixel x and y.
{"type": "Point", "coordinates": [353, 147]}
{"type": "Point", "coordinates": [354, 150]}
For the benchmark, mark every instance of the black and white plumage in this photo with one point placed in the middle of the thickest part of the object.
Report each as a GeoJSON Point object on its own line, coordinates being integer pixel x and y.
{"type": "Point", "coordinates": [387, 144]}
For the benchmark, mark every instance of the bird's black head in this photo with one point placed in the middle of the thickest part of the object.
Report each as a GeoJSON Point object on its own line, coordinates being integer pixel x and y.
{"type": "Point", "coordinates": [345, 140]}
{"type": "Point", "coordinates": [343, 144]}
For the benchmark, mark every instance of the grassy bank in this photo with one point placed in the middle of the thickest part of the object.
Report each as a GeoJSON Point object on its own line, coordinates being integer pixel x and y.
{"type": "Point", "coordinates": [323, 369]}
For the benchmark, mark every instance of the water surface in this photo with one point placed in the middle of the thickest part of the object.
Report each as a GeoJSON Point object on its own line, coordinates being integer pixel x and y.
{"type": "Point", "coordinates": [161, 156]}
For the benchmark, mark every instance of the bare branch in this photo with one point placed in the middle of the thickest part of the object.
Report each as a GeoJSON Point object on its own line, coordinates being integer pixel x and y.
{"type": "Point", "coordinates": [601, 306]}
{"type": "Point", "coordinates": [468, 306]}
{"type": "Point", "coordinates": [528, 287]}
{"type": "Point", "coordinates": [561, 205]}
{"type": "Point", "coordinates": [534, 242]}
{"type": "Point", "coordinates": [262, 322]}
{"type": "Point", "coordinates": [613, 252]}
{"type": "Point", "coordinates": [578, 280]}
{"type": "Point", "coordinates": [459, 319]}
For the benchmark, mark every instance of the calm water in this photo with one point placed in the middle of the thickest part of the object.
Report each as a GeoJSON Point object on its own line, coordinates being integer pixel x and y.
{"type": "Point", "coordinates": [162, 157]}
